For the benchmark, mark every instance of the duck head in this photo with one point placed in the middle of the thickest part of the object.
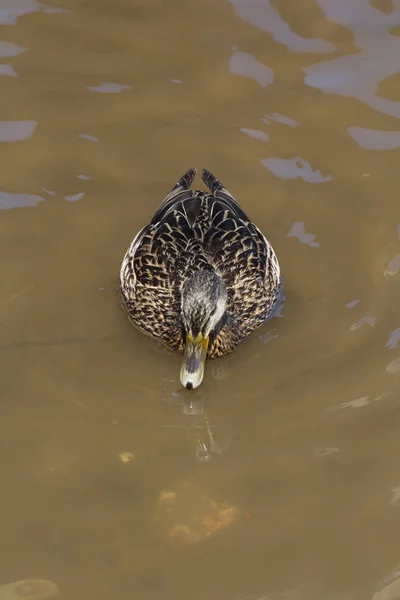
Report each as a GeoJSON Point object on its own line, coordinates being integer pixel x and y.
{"type": "Point", "coordinates": [204, 303]}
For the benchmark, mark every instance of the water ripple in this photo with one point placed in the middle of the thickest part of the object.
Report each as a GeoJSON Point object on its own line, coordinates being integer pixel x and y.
{"type": "Point", "coordinates": [255, 134]}
{"type": "Point", "coordinates": [244, 64]}
{"type": "Point", "coordinates": [279, 119]}
{"type": "Point", "coordinates": [358, 75]}
{"type": "Point", "coordinates": [86, 136]}
{"type": "Point", "coordinates": [74, 197]}
{"type": "Point", "coordinates": [371, 139]}
{"type": "Point", "coordinates": [298, 231]}
{"type": "Point", "coordinates": [7, 70]}
{"type": "Point", "coordinates": [292, 168]}
{"type": "Point", "coordinates": [263, 15]}
{"type": "Point", "coordinates": [394, 338]}
{"type": "Point", "coordinates": [8, 49]}
{"type": "Point", "coordinates": [8, 201]}
{"type": "Point", "coordinates": [352, 304]}
{"type": "Point", "coordinates": [109, 88]}
{"type": "Point", "coordinates": [14, 131]}
{"type": "Point", "coordinates": [17, 8]}
{"type": "Point", "coordinates": [393, 266]}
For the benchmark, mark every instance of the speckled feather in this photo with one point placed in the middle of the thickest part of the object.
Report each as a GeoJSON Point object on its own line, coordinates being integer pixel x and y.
{"type": "Point", "coordinates": [194, 230]}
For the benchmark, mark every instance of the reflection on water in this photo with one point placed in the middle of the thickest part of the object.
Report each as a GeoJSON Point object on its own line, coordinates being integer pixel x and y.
{"type": "Point", "coordinates": [246, 65]}
{"type": "Point", "coordinates": [18, 200]}
{"type": "Point", "coordinates": [292, 168]}
{"type": "Point", "coordinates": [109, 88]}
{"type": "Point", "coordinates": [11, 10]}
{"type": "Point", "coordinates": [389, 587]}
{"type": "Point", "coordinates": [8, 49]}
{"type": "Point", "coordinates": [375, 140]}
{"type": "Point", "coordinates": [14, 131]}
{"type": "Point", "coordinates": [376, 57]}
{"type": "Point", "coordinates": [203, 434]}
{"type": "Point", "coordinates": [280, 478]}
{"type": "Point", "coordinates": [34, 589]}
{"type": "Point", "coordinates": [263, 14]}
{"type": "Point", "coordinates": [298, 231]}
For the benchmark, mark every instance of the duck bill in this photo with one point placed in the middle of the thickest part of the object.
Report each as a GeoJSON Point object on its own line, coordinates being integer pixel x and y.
{"type": "Point", "coordinates": [193, 364]}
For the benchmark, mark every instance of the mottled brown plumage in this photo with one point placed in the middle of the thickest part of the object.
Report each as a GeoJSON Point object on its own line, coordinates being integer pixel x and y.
{"type": "Point", "coordinates": [194, 235]}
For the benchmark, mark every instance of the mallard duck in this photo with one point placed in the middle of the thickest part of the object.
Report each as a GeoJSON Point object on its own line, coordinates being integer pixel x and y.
{"type": "Point", "coordinates": [200, 277]}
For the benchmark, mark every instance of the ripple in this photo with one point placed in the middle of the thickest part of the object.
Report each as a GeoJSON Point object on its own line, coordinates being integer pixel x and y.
{"type": "Point", "coordinates": [279, 119]}
{"type": "Point", "coordinates": [357, 402]}
{"type": "Point", "coordinates": [394, 338]}
{"type": "Point", "coordinates": [393, 266]}
{"type": "Point", "coordinates": [86, 136]}
{"type": "Point", "coordinates": [14, 131]}
{"type": "Point", "coordinates": [372, 139]}
{"type": "Point", "coordinates": [360, 402]}
{"type": "Point", "coordinates": [17, 8]}
{"type": "Point", "coordinates": [389, 588]}
{"type": "Point", "coordinates": [394, 366]}
{"type": "Point", "coordinates": [298, 231]}
{"type": "Point", "coordinates": [8, 49]}
{"type": "Point", "coordinates": [8, 201]}
{"type": "Point", "coordinates": [263, 15]}
{"type": "Point", "coordinates": [255, 134]}
{"type": "Point", "coordinates": [246, 65]}
{"type": "Point", "coordinates": [292, 168]}
{"type": "Point", "coordinates": [7, 71]}
{"type": "Point", "coordinates": [109, 88]}
{"type": "Point", "coordinates": [322, 452]}
{"type": "Point", "coordinates": [29, 588]}
{"type": "Point", "coordinates": [352, 303]}
{"type": "Point", "coordinates": [50, 10]}
{"type": "Point", "coordinates": [74, 197]}
{"type": "Point", "coordinates": [267, 337]}
{"type": "Point", "coordinates": [358, 75]}
{"type": "Point", "coordinates": [365, 320]}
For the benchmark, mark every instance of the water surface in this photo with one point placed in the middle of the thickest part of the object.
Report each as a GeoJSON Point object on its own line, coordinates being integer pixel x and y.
{"type": "Point", "coordinates": [279, 477]}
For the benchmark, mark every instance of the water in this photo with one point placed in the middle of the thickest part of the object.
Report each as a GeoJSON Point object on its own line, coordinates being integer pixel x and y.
{"type": "Point", "coordinates": [280, 477]}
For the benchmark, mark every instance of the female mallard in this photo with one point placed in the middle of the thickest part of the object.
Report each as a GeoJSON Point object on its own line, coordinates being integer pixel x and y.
{"type": "Point", "coordinates": [201, 276]}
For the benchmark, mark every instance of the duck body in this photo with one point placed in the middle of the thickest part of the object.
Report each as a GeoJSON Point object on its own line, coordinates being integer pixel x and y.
{"type": "Point", "coordinates": [200, 268]}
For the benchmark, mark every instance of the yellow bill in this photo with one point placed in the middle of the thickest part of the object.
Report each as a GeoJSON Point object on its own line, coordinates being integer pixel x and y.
{"type": "Point", "coordinates": [192, 371]}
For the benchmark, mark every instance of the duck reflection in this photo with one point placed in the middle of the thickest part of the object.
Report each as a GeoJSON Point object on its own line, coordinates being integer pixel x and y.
{"type": "Point", "coordinates": [389, 588]}
{"type": "Point", "coordinates": [204, 431]}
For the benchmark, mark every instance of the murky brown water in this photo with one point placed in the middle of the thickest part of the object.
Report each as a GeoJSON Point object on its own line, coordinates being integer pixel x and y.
{"type": "Point", "coordinates": [281, 479]}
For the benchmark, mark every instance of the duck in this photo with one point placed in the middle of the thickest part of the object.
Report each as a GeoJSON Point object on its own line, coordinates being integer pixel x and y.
{"type": "Point", "coordinates": [200, 277]}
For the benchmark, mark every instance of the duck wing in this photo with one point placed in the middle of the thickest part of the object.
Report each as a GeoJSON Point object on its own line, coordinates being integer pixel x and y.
{"type": "Point", "coordinates": [219, 191]}
{"type": "Point", "coordinates": [167, 241]}
{"type": "Point", "coordinates": [239, 249]}
{"type": "Point", "coordinates": [181, 191]}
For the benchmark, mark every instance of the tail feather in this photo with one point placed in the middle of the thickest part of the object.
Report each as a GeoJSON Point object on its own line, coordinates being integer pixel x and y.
{"type": "Point", "coordinates": [180, 189]}
{"type": "Point", "coordinates": [186, 180]}
{"type": "Point", "coordinates": [220, 192]}
{"type": "Point", "coordinates": [213, 184]}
